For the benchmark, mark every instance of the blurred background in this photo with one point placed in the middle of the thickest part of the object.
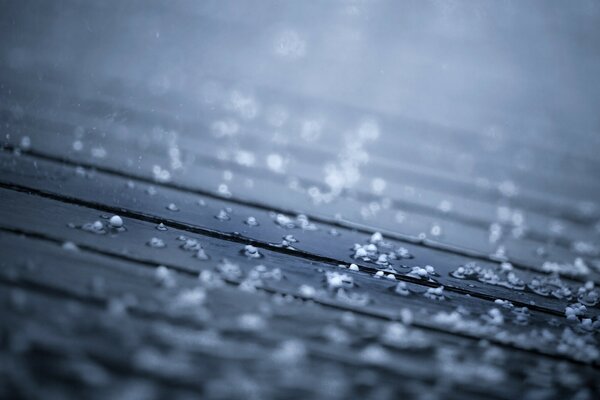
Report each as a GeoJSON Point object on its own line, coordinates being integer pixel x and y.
{"type": "Point", "coordinates": [432, 103]}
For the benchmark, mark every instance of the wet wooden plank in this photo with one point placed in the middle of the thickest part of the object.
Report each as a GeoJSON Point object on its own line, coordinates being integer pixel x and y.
{"type": "Point", "coordinates": [233, 341]}
{"type": "Point", "coordinates": [167, 320]}
{"type": "Point", "coordinates": [121, 195]}
{"type": "Point", "coordinates": [87, 312]}
{"type": "Point", "coordinates": [466, 239]}
{"type": "Point", "coordinates": [100, 117]}
{"type": "Point", "coordinates": [415, 196]}
{"type": "Point", "coordinates": [373, 296]}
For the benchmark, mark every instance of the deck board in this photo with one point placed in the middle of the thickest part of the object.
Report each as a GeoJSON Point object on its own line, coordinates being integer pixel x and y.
{"type": "Point", "coordinates": [372, 200]}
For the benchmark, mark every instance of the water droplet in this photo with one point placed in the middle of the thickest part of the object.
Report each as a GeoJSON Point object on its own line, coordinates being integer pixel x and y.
{"type": "Point", "coordinates": [190, 298]}
{"type": "Point", "coordinates": [98, 152]}
{"type": "Point", "coordinates": [521, 315]}
{"type": "Point", "coordinates": [307, 291]}
{"type": "Point", "coordinates": [376, 237]}
{"type": "Point", "coordinates": [334, 232]}
{"type": "Point", "coordinates": [336, 280]}
{"type": "Point", "coordinates": [161, 227]}
{"type": "Point", "coordinates": [160, 175]}
{"type": "Point", "coordinates": [421, 272]}
{"type": "Point", "coordinates": [382, 260]}
{"type": "Point", "coordinates": [290, 239]}
{"type": "Point", "coordinates": [156, 243]}
{"type": "Point", "coordinates": [77, 145]}
{"type": "Point", "coordinates": [229, 270]}
{"type": "Point", "coordinates": [374, 354]}
{"type": "Point", "coordinates": [401, 289]}
{"type": "Point", "coordinates": [353, 298]}
{"type": "Point", "coordinates": [115, 221]}
{"type": "Point", "coordinates": [190, 245]}
{"type": "Point", "coordinates": [290, 352]}
{"type": "Point", "coordinates": [445, 206]}
{"type": "Point", "coordinates": [587, 295]}
{"type": "Point", "coordinates": [164, 277]}
{"type": "Point", "coordinates": [223, 216]}
{"type": "Point", "coordinates": [378, 185]}
{"type": "Point", "coordinates": [276, 163]}
{"type": "Point", "coordinates": [251, 221]}
{"type": "Point", "coordinates": [25, 143]}
{"type": "Point", "coordinates": [403, 253]}
{"type": "Point", "coordinates": [251, 251]}
{"type": "Point", "coordinates": [201, 255]}
{"type": "Point", "coordinates": [435, 293]}
{"type": "Point", "coordinates": [494, 317]}
{"type": "Point", "coordinates": [251, 322]}
{"type": "Point", "coordinates": [172, 207]}
{"type": "Point", "coordinates": [574, 311]}
{"type": "Point", "coordinates": [70, 246]}
{"type": "Point", "coordinates": [96, 227]}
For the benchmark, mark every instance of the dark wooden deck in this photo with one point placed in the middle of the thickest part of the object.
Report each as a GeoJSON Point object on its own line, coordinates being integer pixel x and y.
{"type": "Point", "coordinates": [449, 263]}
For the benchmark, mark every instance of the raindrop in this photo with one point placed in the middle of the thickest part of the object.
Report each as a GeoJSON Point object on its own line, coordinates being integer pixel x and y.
{"type": "Point", "coordinates": [172, 207]}
{"type": "Point", "coordinates": [229, 270]}
{"type": "Point", "coordinates": [307, 291]}
{"type": "Point", "coordinates": [223, 216]}
{"type": "Point", "coordinates": [96, 227]}
{"type": "Point", "coordinates": [201, 255]}
{"type": "Point", "coordinates": [160, 174]}
{"type": "Point", "coordinates": [494, 317]}
{"type": "Point", "coordinates": [25, 143]}
{"type": "Point", "coordinates": [276, 163]}
{"type": "Point", "coordinates": [445, 206]}
{"type": "Point", "coordinates": [435, 293]}
{"type": "Point", "coordinates": [374, 354]}
{"type": "Point", "coordinates": [290, 239]}
{"type": "Point", "coordinates": [421, 272]}
{"type": "Point", "coordinates": [190, 244]}
{"type": "Point", "coordinates": [70, 246]}
{"type": "Point", "coordinates": [574, 311]}
{"type": "Point", "coordinates": [352, 298]}
{"type": "Point", "coordinates": [587, 295]}
{"type": "Point", "coordinates": [403, 253]}
{"type": "Point", "coordinates": [115, 221]}
{"type": "Point", "coordinates": [336, 280]}
{"type": "Point", "coordinates": [521, 315]}
{"type": "Point", "coordinates": [156, 243]}
{"type": "Point", "coordinates": [376, 237]}
{"type": "Point", "coordinates": [251, 221]}
{"type": "Point", "coordinates": [290, 352]}
{"type": "Point", "coordinates": [161, 227]}
{"type": "Point", "coordinates": [382, 260]}
{"type": "Point", "coordinates": [98, 152]}
{"type": "Point", "coordinates": [401, 289]}
{"type": "Point", "coordinates": [251, 251]}
{"type": "Point", "coordinates": [190, 298]}
{"type": "Point", "coordinates": [251, 322]}
{"type": "Point", "coordinates": [164, 277]}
